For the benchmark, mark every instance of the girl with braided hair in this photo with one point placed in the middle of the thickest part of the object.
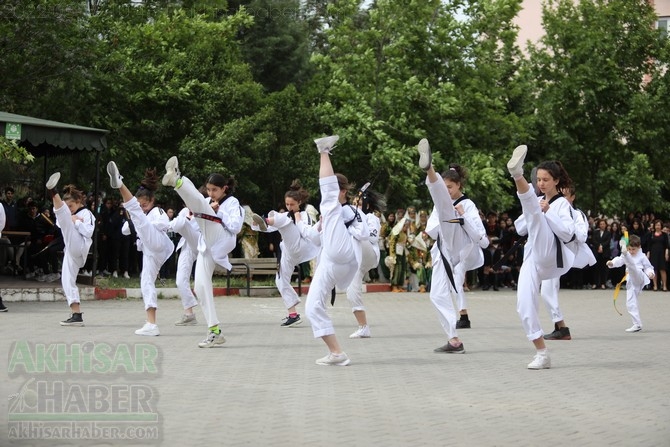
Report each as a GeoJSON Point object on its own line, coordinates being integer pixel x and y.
{"type": "Point", "coordinates": [296, 246]}
{"type": "Point", "coordinates": [77, 225]}
{"type": "Point", "coordinates": [151, 224]}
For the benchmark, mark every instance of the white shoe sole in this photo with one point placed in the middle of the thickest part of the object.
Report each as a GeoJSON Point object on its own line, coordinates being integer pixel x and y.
{"type": "Point", "coordinates": [326, 144]}
{"type": "Point", "coordinates": [154, 333]}
{"type": "Point", "coordinates": [633, 329]}
{"type": "Point", "coordinates": [114, 176]}
{"type": "Point", "coordinates": [425, 156]}
{"type": "Point", "coordinates": [218, 341]}
{"type": "Point", "coordinates": [342, 363]}
{"type": "Point", "coordinates": [533, 365]}
{"type": "Point", "coordinates": [355, 335]}
{"type": "Point", "coordinates": [171, 172]}
{"type": "Point", "coordinates": [515, 163]}
{"type": "Point", "coordinates": [53, 180]}
{"type": "Point", "coordinates": [258, 220]}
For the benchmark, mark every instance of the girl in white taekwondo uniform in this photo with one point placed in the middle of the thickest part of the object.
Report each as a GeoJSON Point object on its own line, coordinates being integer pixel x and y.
{"type": "Point", "coordinates": [583, 257]}
{"type": "Point", "coordinates": [296, 246]}
{"type": "Point", "coordinates": [368, 202]}
{"type": "Point", "coordinates": [151, 224]}
{"type": "Point", "coordinates": [551, 227]}
{"type": "Point", "coordinates": [454, 243]}
{"type": "Point", "coordinates": [220, 218]}
{"type": "Point", "coordinates": [340, 256]}
{"type": "Point", "coordinates": [187, 227]}
{"type": "Point", "coordinates": [469, 236]}
{"type": "Point", "coordinates": [77, 225]}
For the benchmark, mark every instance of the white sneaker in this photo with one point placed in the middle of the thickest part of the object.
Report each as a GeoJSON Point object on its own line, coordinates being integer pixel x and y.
{"type": "Point", "coordinates": [51, 277]}
{"type": "Point", "coordinates": [515, 164]}
{"type": "Point", "coordinates": [186, 320]}
{"type": "Point", "coordinates": [326, 144]}
{"type": "Point", "coordinates": [425, 156]}
{"type": "Point", "coordinates": [362, 332]}
{"type": "Point", "coordinates": [634, 328]}
{"type": "Point", "coordinates": [149, 329]}
{"type": "Point", "coordinates": [53, 180]}
{"type": "Point", "coordinates": [115, 274]}
{"type": "Point", "coordinates": [334, 360]}
{"type": "Point", "coordinates": [126, 275]}
{"type": "Point", "coordinates": [624, 247]}
{"type": "Point", "coordinates": [172, 173]}
{"type": "Point", "coordinates": [115, 179]}
{"type": "Point", "coordinates": [212, 340]}
{"type": "Point", "coordinates": [541, 361]}
{"type": "Point", "coordinates": [86, 273]}
{"type": "Point", "coordinates": [258, 220]}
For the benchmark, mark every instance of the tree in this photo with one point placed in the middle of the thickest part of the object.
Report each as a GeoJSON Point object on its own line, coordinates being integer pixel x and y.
{"type": "Point", "coordinates": [45, 55]}
{"type": "Point", "coordinates": [46, 51]}
{"type": "Point", "coordinates": [168, 79]}
{"type": "Point", "coordinates": [589, 68]}
{"type": "Point", "coordinates": [276, 45]}
{"type": "Point", "coordinates": [397, 72]}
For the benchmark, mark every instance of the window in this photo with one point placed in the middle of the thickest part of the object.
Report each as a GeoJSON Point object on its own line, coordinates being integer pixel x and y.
{"type": "Point", "coordinates": [662, 24]}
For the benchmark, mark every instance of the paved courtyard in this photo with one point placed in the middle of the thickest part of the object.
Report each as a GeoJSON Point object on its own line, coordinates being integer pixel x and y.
{"type": "Point", "coordinates": [262, 387]}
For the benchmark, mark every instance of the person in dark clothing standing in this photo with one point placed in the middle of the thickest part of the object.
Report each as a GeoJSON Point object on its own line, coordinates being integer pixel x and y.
{"type": "Point", "coordinates": [600, 242]}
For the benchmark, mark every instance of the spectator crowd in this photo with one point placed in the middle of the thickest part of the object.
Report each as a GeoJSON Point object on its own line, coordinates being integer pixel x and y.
{"type": "Point", "coordinates": [404, 245]}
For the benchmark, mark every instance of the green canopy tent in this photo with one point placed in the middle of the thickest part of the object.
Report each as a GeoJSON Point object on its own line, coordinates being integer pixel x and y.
{"type": "Point", "coordinates": [45, 138]}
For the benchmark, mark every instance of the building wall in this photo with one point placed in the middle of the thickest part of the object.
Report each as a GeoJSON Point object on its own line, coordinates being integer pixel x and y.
{"type": "Point", "coordinates": [662, 7]}
{"type": "Point", "coordinates": [529, 19]}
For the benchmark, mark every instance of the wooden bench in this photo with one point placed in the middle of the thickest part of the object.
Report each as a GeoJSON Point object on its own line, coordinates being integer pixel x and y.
{"type": "Point", "coordinates": [256, 266]}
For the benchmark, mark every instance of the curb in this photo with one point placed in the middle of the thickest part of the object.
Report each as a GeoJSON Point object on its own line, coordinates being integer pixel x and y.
{"type": "Point", "coordinates": [107, 294]}
{"type": "Point", "coordinates": [99, 293]}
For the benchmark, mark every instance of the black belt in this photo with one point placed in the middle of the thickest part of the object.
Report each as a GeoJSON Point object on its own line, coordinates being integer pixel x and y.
{"type": "Point", "coordinates": [559, 253]}
{"type": "Point", "coordinates": [208, 217]}
{"type": "Point", "coordinates": [447, 266]}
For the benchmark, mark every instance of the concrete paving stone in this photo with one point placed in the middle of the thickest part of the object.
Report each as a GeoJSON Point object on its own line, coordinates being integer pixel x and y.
{"type": "Point", "coordinates": [262, 387]}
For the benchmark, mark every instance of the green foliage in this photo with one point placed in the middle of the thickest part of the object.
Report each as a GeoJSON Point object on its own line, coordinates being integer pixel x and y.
{"type": "Point", "coordinates": [398, 72]}
{"type": "Point", "coordinates": [229, 88]}
{"type": "Point", "coordinates": [484, 185]}
{"type": "Point", "coordinates": [588, 70]}
{"type": "Point", "coordinates": [276, 45]}
{"type": "Point", "coordinates": [169, 80]}
{"type": "Point", "coordinates": [627, 182]}
{"type": "Point", "coordinates": [11, 152]}
{"type": "Point", "coordinates": [45, 59]}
